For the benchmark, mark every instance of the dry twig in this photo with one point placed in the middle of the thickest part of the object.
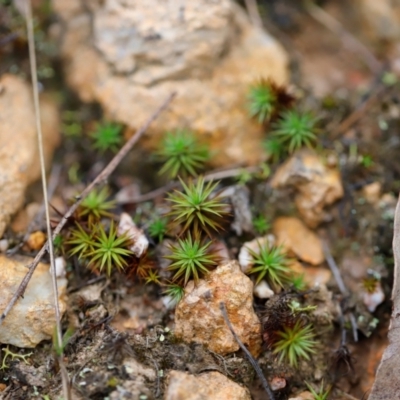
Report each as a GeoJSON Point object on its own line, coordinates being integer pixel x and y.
{"type": "Point", "coordinates": [32, 59]}
{"type": "Point", "coordinates": [348, 39]}
{"type": "Point", "coordinates": [253, 362]}
{"type": "Point", "coordinates": [101, 178]}
{"type": "Point", "coordinates": [342, 287]}
{"type": "Point", "coordinates": [228, 173]}
{"type": "Point", "coordinates": [252, 10]}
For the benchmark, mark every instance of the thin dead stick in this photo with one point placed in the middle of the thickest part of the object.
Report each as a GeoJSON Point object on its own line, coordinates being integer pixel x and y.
{"type": "Point", "coordinates": [348, 122]}
{"type": "Point", "coordinates": [342, 287]}
{"type": "Point", "coordinates": [101, 178]}
{"type": "Point", "coordinates": [253, 362]}
{"type": "Point", "coordinates": [229, 173]}
{"type": "Point", "coordinates": [252, 10]}
{"type": "Point", "coordinates": [348, 39]}
{"type": "Point", "coordinates": [32, 59]}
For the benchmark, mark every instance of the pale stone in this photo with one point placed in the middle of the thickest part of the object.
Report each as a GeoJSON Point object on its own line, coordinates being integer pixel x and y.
{"type": "Point", "coordinates": [381, 18]}
{"type": "Point", "coordinates": [317, 186]}
{"type": "Point", "coordinates": [277, 383]}
{"type": "Point", "coordinates": [32, 319]}
{"type": "Point", "coordinates": [263, 291]}
{"type": "Point", "coordinates": [374, 299]}
{"type": "Point", "coordinates": [299, 240]}
{"type": "Point", "coordinates": [19, 161]}
{"type": "Point", "coordinates": [313, 276]}
{"type": "Point", "coordinates": [303, 396]}
{"type": "Point", "coordinates": [198, 316]}
{"type": "Point", "coordinates": [137, 383]}
{"type": "Point", "coordinates": [127, 227]}
{"type": "Point", "coordinates": [207, 386]}
{"type": "Point", "coordinates": [372, 192]}
{"type": "Point", "coordinates": [128, 55]}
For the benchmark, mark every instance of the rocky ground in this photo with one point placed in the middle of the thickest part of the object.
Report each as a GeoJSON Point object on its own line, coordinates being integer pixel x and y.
{"type": "Point", "coordinates": [329, 206]}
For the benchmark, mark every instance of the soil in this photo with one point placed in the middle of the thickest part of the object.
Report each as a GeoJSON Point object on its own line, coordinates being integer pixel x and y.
{"type": "Point", "coordinates": [129, 321]}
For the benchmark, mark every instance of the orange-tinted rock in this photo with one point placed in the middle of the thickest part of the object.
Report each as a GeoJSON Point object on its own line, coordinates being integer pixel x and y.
{"type": "Point", "coordinates": [130, 55]}
{"type": "Point", "coordinates": [36, 240]}
{"type": "Point", "coordinates": [211, 385]}
{"type": "Point", "coordinates": [32, 319]}
{"type": "Point", "coordinates": [19, 161]}
{"type": "Point", "coordinates": [198, 316]}
{"type": "Point", "coordinates": [299, 240]}
{"type": "Point", "coordinates": [313, 276]}
{"type": "Point", "coordinates": [317, 186]}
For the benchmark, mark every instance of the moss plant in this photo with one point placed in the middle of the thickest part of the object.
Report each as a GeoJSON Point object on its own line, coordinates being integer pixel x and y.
{"type": "Point", "coordinates": [274, 149]}
{"type": "Point", "coordinates": [109, 250]}
{"type": "Point", "coordinates": [81, 241]}
{"type": "Point", "coordinates": [295, 130]}
{"type": "Point", "coordinates": [175, 291]}
{"type": "Point", "coordinates": [190, 258]}
{"type": "Point", "coordinates": [298, 282]}
{"type": "Point", "coordinates": [152, 277]}
{"type": "Point", "coordinates": [198, 207]}
{"type": "Point", "coordinates": [96, 205]}
{"type": "Point", "coordinates": [158, 228]}
{"type": "Point", "coordinates": [107, 136]}
{"type": "Point", "coordinates": [182, 154]}
{"type": "Point", "coordinates": [262, 101]}
{"type": "Point", "coordinates": [261, 225]}
{"type": "Point", "coordinates": [271, 263]}
{"type": "Point", "coordinates": [321, 394]}
{"type": "Point", "coordinates": [295, 342]}
{"type": "Point", "coordinates": [370, 283]}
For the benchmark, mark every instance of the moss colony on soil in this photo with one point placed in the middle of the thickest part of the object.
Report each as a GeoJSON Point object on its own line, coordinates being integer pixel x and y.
{"type": "Point", "coordinates": [125, 280]}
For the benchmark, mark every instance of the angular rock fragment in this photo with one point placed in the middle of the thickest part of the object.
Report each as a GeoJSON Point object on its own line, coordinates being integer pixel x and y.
{"type": "Point", "coordinates": [129, 54]}
{"type": "Point", "coordinates": [316, 185]}
{"type": "Point", "coordinates": [198, 316]}
{"type": "Point", "coordinates": [19, 161]}
{"type": "Point", "coordinates": [297, 239]}
{"type": "Point", "coordinates": [32, 319]}
{"type": "Point", "coordinates": [127, 226]}
{"type": "Point", "coordinates": [211, 385]}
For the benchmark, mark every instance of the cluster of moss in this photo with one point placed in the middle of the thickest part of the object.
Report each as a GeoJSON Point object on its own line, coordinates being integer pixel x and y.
{"type": "Point", "coordinates": [197, 215]}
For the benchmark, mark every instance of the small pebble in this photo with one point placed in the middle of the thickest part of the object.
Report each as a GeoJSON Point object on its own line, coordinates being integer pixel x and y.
{"type": "Point", "coordinates": [277, 383]}
{"type": "Point", "coordinates": [36, 240]}
{"type": "Point", "coordinates": [263, 291]}
{"type": "Point", "coordinates": [372, 300]}
{"type": "Point", "coordinates": [4, 245]}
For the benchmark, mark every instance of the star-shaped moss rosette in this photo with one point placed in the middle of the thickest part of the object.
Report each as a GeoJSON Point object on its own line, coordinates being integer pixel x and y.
{"type": "Point", "coordinates": [197, 207]}
{"type": "Point", "coordinates": [295, 129]}
{"type": "Point", "coordinates": [295, 342]}
{"type": "Point", "coordinates": [182, 154]}
{"type": "Point", "coordinates": [191, 258]}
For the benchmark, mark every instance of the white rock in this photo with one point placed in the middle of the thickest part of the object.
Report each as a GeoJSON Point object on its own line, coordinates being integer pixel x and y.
{"type": "Point", "coordinates": [60, 265]}
{"type": "Point", "coordinates": [263, 291]}
{"type": "Point", "coordinates": [140, 242]}
{"type": "Point", "coordinates": [32, 319]}
{"type": "Point", "coordinates": [372, 300]}
{"type": "Point", "coordinates": [4, 245]}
